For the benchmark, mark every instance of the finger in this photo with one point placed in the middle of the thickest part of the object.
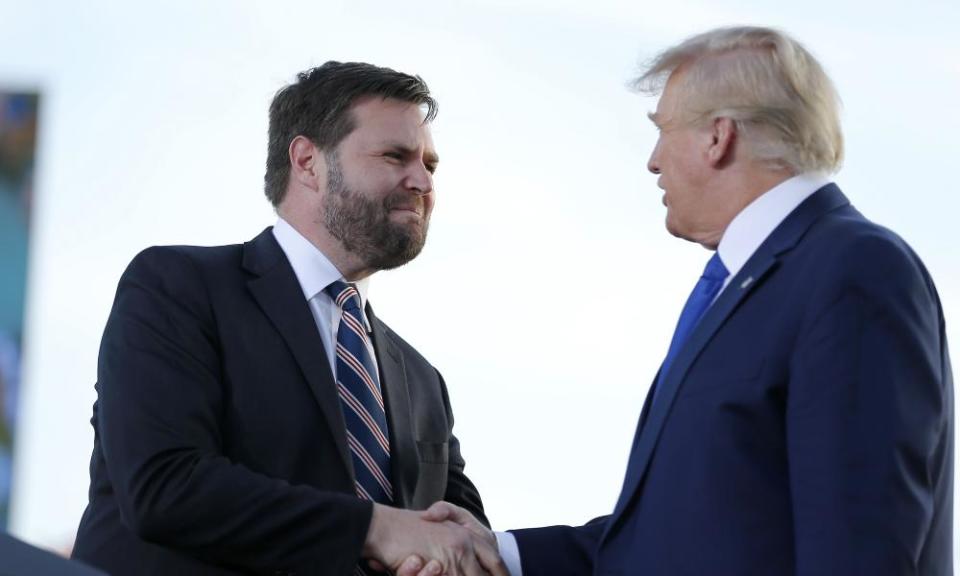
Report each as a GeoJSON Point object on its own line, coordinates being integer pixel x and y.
{"type": "Point", "coordinates": [471, 566]}
{"type": "Point", "coordinates": [478, 530]}
{"type": "Point", "coordinates": [490, 559]}
{"type": "Point", "coordinates": [433, 568]}
{"type": "Point", "coordinates": [409, 567]}
{"type": "Point", "coordinates": [447, 512]}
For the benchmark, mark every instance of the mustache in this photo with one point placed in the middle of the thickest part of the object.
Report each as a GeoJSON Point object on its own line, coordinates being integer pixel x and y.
{"type": "Point", "coordinates": [404, 200]}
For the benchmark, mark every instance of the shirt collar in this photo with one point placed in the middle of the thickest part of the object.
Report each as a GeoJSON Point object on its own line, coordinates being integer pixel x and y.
{"type": "Point", "coordinates": [760, 218]}
{"type": "Point", "coordinates": [313, 269]}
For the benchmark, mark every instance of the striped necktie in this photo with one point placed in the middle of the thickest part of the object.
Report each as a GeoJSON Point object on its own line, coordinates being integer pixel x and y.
{"type": "Point", "coordinates": [361, 399]}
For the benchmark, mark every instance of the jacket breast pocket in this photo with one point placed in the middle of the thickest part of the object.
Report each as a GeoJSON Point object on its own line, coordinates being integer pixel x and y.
{"type": "Point", "coordinates": [732, 379]}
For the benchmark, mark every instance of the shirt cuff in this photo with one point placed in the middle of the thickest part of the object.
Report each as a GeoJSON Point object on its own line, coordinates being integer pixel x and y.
{"type": "Point", "coordinates": [510, 552]}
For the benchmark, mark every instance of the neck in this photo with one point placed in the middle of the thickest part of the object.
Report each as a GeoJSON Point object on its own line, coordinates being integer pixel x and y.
{"type": "Point", "coordinates": [741, 188]}
{"type": "Point", "coordinates": [312, 228]}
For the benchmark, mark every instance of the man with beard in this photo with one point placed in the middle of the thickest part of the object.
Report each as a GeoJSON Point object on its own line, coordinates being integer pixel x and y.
{"type": "Point", "coordinates": [253, 414]}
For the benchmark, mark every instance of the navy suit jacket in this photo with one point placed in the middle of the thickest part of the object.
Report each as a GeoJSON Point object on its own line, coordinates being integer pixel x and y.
{"type": "Point", "coordinates": [220, 446]}
{"type": "Point", "coordinates": [806, 427]}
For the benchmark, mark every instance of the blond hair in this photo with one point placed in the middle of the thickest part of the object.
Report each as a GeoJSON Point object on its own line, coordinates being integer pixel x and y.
{"type": "Point", "coordinates": [784, 105]}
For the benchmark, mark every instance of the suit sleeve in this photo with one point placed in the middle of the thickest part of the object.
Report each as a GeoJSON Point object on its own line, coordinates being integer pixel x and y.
{"type": "Point", "coordinates": [161, 398]}
{"type": "Point", "coordinates": [460, 490]}
{"type": "Point", "coordinates": [559, 550]}
{"type": "Point", "coordinates": [870, 419]}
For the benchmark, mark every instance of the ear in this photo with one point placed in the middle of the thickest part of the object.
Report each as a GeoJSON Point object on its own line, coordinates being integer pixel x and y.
{"type": "Point", "coordinates": [723, 142]}
{"type": "Point", "coordinates": [306, 163]}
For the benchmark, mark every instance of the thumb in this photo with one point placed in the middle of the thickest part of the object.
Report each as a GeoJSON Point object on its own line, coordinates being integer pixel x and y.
{"type": "Point", "coordinates": [441, 511]}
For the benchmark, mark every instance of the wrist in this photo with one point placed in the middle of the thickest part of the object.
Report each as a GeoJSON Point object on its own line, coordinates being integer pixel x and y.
{"type": "Point", "coordinates": [377, 532]}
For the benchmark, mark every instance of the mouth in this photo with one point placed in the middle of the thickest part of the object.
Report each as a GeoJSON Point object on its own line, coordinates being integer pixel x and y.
{"type": "Point", "coordinates": [405, 204]}
{"type": "Point", "coordinates": [408, 210]}
{"type": "Point", "coordinates": [407, 216]}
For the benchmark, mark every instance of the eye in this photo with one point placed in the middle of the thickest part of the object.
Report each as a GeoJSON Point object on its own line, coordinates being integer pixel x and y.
{"type": "Point", "coordinates": [393, 156]}
{"type": "Point", "coordinates": [431, 168]}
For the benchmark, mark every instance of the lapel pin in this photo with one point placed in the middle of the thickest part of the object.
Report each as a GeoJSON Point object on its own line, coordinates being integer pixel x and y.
{"type": "Point", "coordinates": [745, 283]}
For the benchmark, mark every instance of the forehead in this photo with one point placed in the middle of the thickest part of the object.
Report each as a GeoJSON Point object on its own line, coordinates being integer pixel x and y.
{"type": "Point", "coordinates": [379, 121]}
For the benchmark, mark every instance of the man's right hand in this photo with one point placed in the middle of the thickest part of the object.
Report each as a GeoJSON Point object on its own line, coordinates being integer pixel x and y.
{"type": "Point", "coordinates": [449, 547]}
{"type": "Point", "coordinates": [447, 513]}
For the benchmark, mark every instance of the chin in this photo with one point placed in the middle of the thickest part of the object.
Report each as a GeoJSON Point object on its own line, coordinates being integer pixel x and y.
{"type": "Point", "coordinates": [678, 232]}
{"type": "Point", "coordinates": [672, 227]}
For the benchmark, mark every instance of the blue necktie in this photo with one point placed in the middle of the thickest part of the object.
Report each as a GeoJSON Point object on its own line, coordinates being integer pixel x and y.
{"type": "Point", "coordinates": [700, 299]}
{"type": "Point", "coordinates": [361, 400]}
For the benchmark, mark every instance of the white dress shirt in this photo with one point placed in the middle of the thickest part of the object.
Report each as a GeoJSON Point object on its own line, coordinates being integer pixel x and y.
{"type": "Point", "coordinates": [748, 229]}
{"type": "Point", "coordinates": [315, 272]}
{"type": "Point", "coordinates": [745, 233]}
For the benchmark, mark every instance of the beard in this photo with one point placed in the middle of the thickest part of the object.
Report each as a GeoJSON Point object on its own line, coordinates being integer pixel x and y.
{"type": "Point", "coordinates": [363, 225]}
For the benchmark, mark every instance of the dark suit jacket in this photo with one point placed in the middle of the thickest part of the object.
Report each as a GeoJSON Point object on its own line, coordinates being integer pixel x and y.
{"type": "Point", "coordinates": [220, 445]}
{"type": "Point", "coordinates": [806, 427]}
{"type": "Point", "coordinates": [21, 559]}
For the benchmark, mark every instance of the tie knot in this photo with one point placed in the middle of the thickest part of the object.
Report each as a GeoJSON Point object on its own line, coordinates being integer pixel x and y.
{"type": "Point", "coordinates": [345, 295]}
{"type": "Point", "coordinates": [715, 270]}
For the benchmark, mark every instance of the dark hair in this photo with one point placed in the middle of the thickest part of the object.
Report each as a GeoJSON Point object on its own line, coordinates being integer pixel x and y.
{"type": "Point", "coordinates": [318, 106]}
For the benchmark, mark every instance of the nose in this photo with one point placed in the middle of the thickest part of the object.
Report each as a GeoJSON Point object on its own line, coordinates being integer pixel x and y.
{"type": "Point", "coordinates": [653, 163]}
{"type": "Point", "coordinates": [419, 179]}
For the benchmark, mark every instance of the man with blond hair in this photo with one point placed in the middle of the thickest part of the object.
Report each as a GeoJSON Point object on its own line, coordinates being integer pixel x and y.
{"type": "Point", "coordinates": [802, 420]}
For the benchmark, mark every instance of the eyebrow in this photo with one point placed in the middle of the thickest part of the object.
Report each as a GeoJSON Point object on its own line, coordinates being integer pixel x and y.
{"type": "Point", "coordinates": [429, 157]}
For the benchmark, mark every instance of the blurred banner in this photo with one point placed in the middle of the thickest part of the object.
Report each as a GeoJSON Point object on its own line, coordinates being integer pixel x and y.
{"type": "Point", "coordinates": [18, 136]}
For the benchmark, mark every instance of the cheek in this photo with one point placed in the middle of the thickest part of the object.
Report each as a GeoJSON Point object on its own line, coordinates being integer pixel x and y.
{"type": "Point", "coordinates": [672, 159]}
{"type": "Point", "coordinates": [430, 198]}
{"type": "Point", "coordinates": [428, 202]}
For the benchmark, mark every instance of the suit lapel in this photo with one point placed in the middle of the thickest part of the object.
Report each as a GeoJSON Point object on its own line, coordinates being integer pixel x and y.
{"type": "Point", "coordinates": [760, 265]}
{"type": "Point", "coordinates": [645, 411]}
{"type": "Point", "coordinates": [396, 398]}
{"type": "Point", "coordinates": [276, 290]}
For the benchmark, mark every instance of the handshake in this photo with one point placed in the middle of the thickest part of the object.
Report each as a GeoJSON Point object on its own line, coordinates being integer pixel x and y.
{"type": "Point", "coordinates": [442, 540]}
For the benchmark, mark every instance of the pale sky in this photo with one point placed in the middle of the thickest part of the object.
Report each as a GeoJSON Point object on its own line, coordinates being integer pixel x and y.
{"type": "Point", "coordinates": [153, 131]}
